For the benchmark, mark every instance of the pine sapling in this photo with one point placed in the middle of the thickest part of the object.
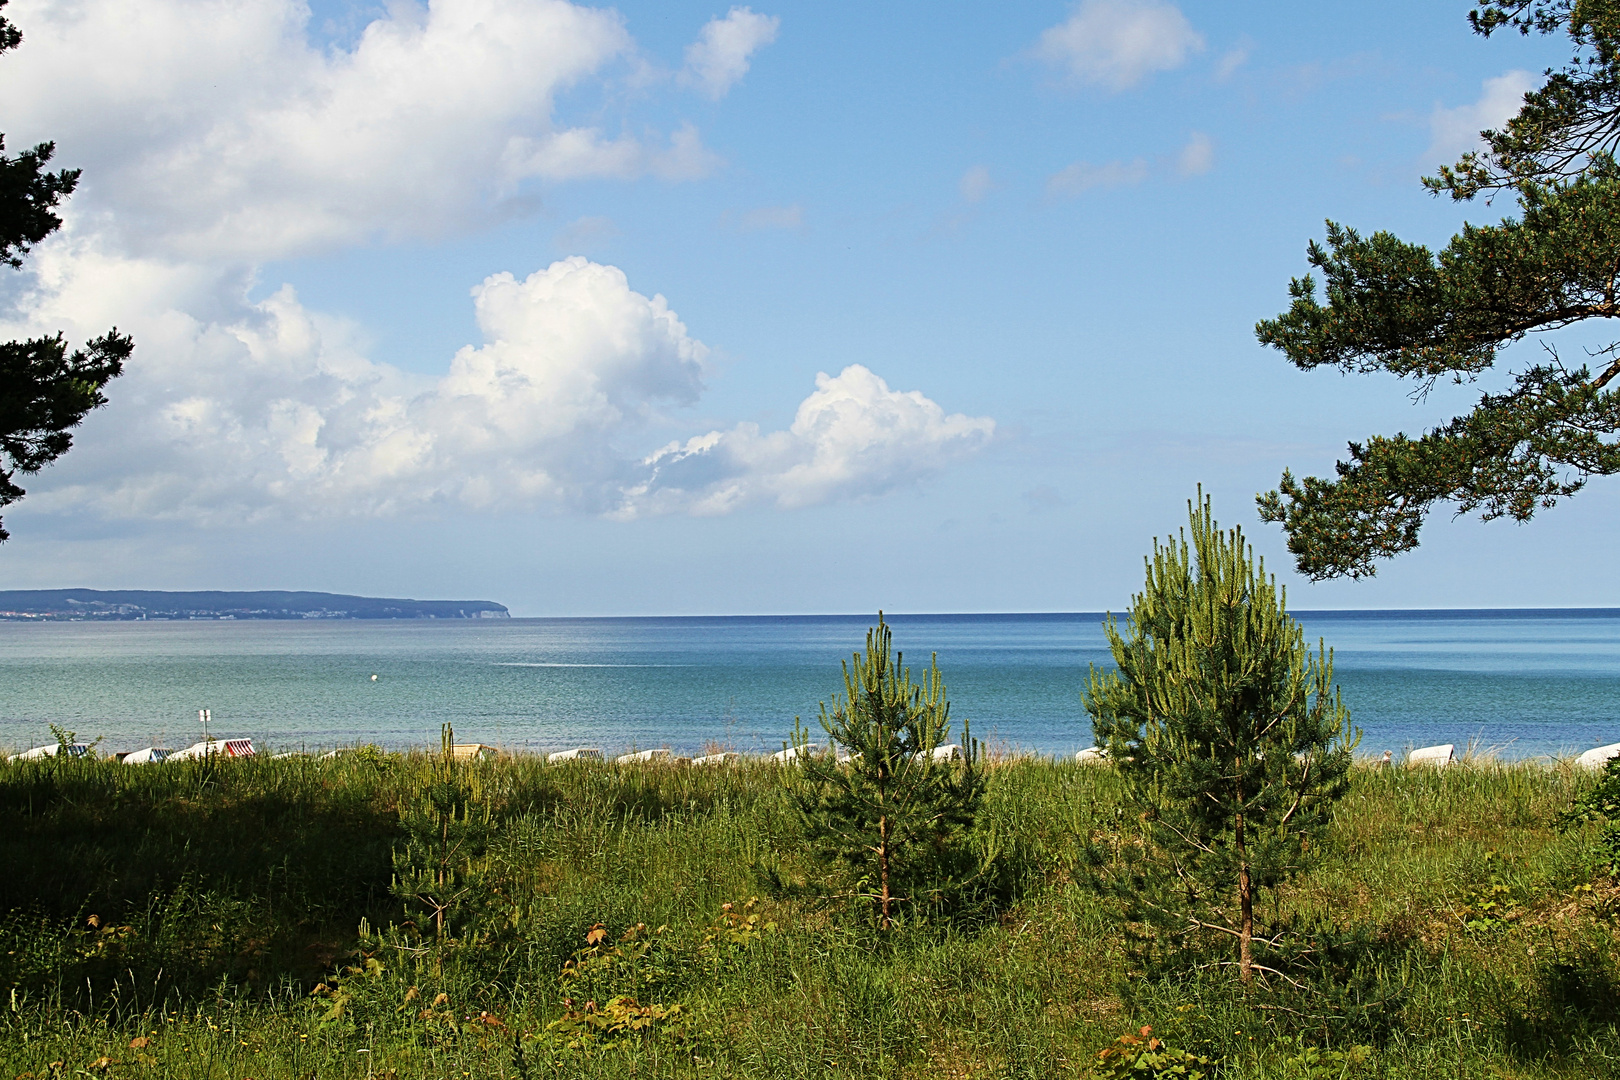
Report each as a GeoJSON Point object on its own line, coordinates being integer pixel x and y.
{"type": "Point", "coordinates": [887, 800]}
{"type": "Point", "coordinates": [438, 868]}
{"type": "Point", "coordinates": [1228, 731]}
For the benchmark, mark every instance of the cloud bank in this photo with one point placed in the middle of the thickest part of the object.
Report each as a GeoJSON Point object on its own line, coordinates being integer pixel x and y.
{"type": "Point", "coordinates": [216, 130]}
{"type": "Point", "coordinates": [216, 137]}
{"type": "Point", "coordinates": [274, 411]}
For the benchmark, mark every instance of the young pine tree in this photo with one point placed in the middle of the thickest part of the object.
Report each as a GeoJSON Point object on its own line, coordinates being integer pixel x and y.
{"type": "Point", "coordinates": [878, 803]}
{"type": "Point", "coordinates": [438, 869]}
{"type": "Point", "coordinates": [1228, 731]}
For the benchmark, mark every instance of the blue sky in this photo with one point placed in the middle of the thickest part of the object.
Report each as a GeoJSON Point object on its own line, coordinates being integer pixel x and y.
{"type": "Point", "coordinates": [1024, 246]}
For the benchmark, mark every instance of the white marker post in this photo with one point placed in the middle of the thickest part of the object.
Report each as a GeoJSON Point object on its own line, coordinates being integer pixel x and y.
{"type": "Point", "coordinates": [203, 716]}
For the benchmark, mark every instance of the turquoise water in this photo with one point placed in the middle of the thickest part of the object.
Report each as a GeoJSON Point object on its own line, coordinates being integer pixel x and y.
{"type": "Point", "coordinates": [1527, 682]}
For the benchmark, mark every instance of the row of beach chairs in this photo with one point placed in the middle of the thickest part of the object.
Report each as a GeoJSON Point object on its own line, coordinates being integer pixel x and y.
{"type": "Point", "coordinates": [241, 748]}
{"type": "Point", "coordinates": [591, 753]}
{"type": "Point", "coordinates": [1428, 756]}
{"type": "Point", "coordinates": [151, 755]}
{"type": "Point", "coordinates": [1436, 757]}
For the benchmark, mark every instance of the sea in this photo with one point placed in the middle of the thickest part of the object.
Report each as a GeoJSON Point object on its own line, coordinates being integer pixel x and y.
{"type": "Point", "coordinates": [1514, 683]}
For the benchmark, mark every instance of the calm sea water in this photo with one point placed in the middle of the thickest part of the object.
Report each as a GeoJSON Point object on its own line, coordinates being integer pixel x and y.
{"type": "Point", "coordinates": [1528, 682]}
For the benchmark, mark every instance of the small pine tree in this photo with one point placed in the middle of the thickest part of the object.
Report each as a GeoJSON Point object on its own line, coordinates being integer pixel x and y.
{"type": "Point", "coordinates": [447, 826]}
{"type": "Point", "coordinates": [877, 802]}
{"type": "Point", "coordinates": [1229, 733]}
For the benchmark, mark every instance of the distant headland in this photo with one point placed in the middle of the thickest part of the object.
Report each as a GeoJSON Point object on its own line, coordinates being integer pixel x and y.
{"type": "Point", "coordinates": [131, 604]}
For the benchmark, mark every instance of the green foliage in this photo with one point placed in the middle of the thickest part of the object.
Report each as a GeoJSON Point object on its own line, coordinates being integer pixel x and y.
{"type": "Point", "coordinates": [1563, 124]}
{"type": "Point", "coordinates": [439, 866]}
{"type": "Point", "coordinates": [1319, 1063]}
{"type": "Point", "coordinates": [1599, 806]}
{"type": "Point", "coordinates": [876, 802]}
{"type": "Point", "coordinates": [1229, 734]}
{"type": "Point", "coordinates": [591, 1026]}
{"type": "Point", "coordinates": [44, 390]}
{"type": "Point", "coordinates": [1397, 307]}
{"type": "Point", "coordinates": [1143, 1057]}
{"type": "Point", "coordinates": [586, 1025]}
{"type": "Point", "coordinates": [280, 860]}
{"type": "Point", "coordinates": [1490, 906]}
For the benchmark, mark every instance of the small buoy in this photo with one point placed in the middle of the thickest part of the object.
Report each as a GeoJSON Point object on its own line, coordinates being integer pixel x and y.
{"type": "Point", "coordinates": [374, 678]}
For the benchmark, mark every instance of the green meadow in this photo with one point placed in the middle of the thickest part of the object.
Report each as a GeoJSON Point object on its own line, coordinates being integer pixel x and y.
{"type": "Point", "coordinates": [238, 919]}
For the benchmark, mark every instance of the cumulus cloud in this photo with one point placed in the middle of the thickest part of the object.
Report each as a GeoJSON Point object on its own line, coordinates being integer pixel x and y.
{"type": "Point", "coordinates": [720, 56]}
{"type": "Point", "coordinates": [272, 411]}
{"type": "Point", "coordinates": [1115, 44]}
{"type": "Point", "coordinates": [853, 436]}
{"type": "Point", "coordinates": [215, 129]}
{"type": "Point", "coordinates": [217, 138]}
{"type": "Point", "coordinates": [1452, 132]}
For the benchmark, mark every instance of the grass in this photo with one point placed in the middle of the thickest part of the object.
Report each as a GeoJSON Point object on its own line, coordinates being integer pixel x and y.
{"type": "Point", "coordinates": [173, 921]}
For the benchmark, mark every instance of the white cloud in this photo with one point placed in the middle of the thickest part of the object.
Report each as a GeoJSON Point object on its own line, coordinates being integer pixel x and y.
{"type": "Point", "coordinates": [853, 437]}
{"type": "Point", "coordinates": [975, 184]}
{"type": "Point", "coordinates": [720, 55]}
{"type": "Point", "coordinates": [1197, 157]}
{"type": "Point", "coordinates": [1233, 59]}
{"type": "Point", "coordinates": [272, 411]}
{"type": "Point", "coordinates": [1083, 176]}
{"type": "Point", "coordinates": [1452, 132]}
{"type": "Point", "coordinates": [1115, 44]}
{"type": "Point", "coordinates": [216, 138]}
{"type": "Point", "coordinates": [773, 217]}
{"type": "Point", "coordinates": [215, 129]}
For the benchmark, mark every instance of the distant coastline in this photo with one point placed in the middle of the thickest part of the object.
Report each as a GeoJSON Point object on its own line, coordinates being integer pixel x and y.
{"type": "Point", "coordinates": [49, 605]}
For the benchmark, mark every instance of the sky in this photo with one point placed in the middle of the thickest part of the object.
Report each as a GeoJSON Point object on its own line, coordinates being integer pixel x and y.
{"type": "Point", "coordinates": [679, 308]}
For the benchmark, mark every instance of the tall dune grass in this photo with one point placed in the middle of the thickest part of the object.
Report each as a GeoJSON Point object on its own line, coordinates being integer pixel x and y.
{"type": "Point", "coordinates": [234, 919]}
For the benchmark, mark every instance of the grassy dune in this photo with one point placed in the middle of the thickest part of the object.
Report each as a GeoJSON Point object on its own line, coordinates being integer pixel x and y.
{"type": "Point", "coordinates": [173, 921]}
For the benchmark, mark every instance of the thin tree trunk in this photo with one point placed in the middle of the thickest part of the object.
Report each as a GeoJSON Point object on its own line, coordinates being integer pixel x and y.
{"type": "Point", "coordinates": [883, 870]}
{"type": "Point", "coordinates": [1246, 908]}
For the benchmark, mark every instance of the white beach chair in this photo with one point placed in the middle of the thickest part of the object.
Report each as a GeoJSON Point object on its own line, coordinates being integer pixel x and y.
{"type": "Point", "coordinates": [581, 753]}
{"type": "Point", "coordinates": [39, 753]}
{"type": "Point", "coordinates": [233, 748]}
{"type": "Point", "coordinates": [150, 756]}
{"type": "Point", "coordinates": [1091, 755]}
{"type": "Point", "coordinates": [640, 757]}
{"type": "Point", "coordinates": [950, 752]}
{"type": "Point", "coordinates": [791, 754]}
{"type": "Point", "coordinates": [1598, 756]}
{"type": "Point", "coordinates": [1434, 756]}
{"type": "Point", "coordinates": [716, 759]}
